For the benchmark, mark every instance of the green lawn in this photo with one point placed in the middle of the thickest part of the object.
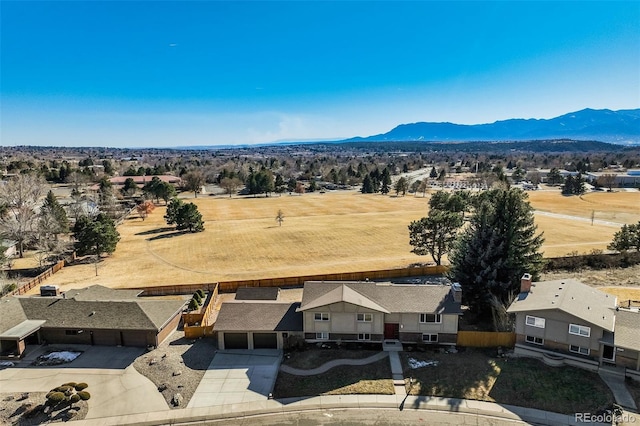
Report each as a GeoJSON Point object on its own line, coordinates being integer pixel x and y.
{"type": "Point", "coordinates": [523, 382]}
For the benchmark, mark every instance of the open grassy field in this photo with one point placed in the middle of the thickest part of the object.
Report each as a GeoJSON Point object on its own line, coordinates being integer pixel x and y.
{"type": "Point", "coordinates": [321, 233]}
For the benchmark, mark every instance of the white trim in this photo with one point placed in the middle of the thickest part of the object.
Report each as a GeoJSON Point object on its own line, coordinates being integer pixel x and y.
{"type": "Point", "coordinates": [580, 330]}
{"type": "Point", "coordinates": [364, 336]}
{"type": "Point", "coordinates": [535, 321]}
{"type": "Point", "coordinates": [321, 316]}
{"type": "Point", "coordinates": [579, 350]}
{"type": "Point", "coordinates": [424, 319]}
{"type": "Point", "coordinates": [364, 316]}
{"type": "Point", "coordinates": [534, 340]}
{"type": "Point", "coordinates": [322, 335]}
{"type": "Point", "coordinates": [430, 339]}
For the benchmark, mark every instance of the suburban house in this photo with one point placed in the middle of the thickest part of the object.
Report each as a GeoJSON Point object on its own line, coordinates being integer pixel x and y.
{"type": "Point", "coordinates": [372, 312]}
{"type": "Point", "coordinates": [566, 321]}
{"type": "Point", "coordinates": [626, 341]}
{"type": "Point", "coordinates": [257, 319]}
{"type": "Point", "coordinates": [95, 315]}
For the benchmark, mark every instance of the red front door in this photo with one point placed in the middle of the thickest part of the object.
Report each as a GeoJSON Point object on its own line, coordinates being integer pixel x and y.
{"type": "Point", "coordinates": [391, 331]}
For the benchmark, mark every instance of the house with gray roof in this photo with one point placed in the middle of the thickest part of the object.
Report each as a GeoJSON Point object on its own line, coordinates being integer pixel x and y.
{"type": "Point", "coordinates": [626, 341]}
{"type": "Point", "coordinates": [257, 319]}
{"type": "Point", "coordinates": [346, 311]}
{"type": "Point", "coordinates": [566, 321]}
{"type": "Point", "coordinates": [96, 315]}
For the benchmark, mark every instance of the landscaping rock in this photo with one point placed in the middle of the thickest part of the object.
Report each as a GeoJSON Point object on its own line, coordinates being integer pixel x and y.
{"type": "Point", "coordinates": [162, 387]}
{"type": "Point", "coordinates": [177, 373]}
{"type": "Point", "coordinates": [153, 361]}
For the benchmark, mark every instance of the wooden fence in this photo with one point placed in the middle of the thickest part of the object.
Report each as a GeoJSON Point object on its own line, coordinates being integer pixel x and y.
{"type": "Point", "coordinates": [202, 316]}
{"type": "Point", "coordinates": [232, 286]}
{"type": "Point", "coordinates": [24, 288]}
{"type": "Point", "coordinates": [486, 339]}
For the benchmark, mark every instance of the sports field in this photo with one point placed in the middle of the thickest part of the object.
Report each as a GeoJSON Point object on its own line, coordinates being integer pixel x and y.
{"type": "Point", "coordinates": [321, 233]}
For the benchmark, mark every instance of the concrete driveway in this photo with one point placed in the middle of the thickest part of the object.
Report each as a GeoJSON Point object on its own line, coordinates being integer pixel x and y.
{"type": "Point", "coordinates": [116, 387]}
{"type": "Point", "coordinates": [236, 376]}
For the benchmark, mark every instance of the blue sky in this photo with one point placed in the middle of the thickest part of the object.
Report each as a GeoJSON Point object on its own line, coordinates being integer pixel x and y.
{"type": "Point", "coordinates": [133, 74]}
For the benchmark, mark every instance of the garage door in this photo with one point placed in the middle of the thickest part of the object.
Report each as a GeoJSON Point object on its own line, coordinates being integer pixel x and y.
{"type": "Point", "coordinates": [236, 341]}
{"type": "Point", "coordinates": [265, 341]}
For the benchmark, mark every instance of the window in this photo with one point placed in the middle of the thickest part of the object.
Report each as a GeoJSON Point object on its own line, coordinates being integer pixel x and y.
{"type": "Point", "coordinates": [535, 321]}
{"type": "Point", "coordinates": [535, 340]}
{"type": "Point", "coordinates": [72, 332]}
{"type": "Point", "coordinates": [364, 336]}
{"type": "Point", "coordinates": [579, 330]}
{"type": "Point", "coordinates": [364, 317]}
{"type": "Point", "coordinates": [322, 336]}
{"type": "Point", "coordinates": [432, 318]}
{"type": "Point", "coordinates": [579, 350]}
{"type": "Point", "coordinates": [321, 316]}
{"type": "Point", "coordinates": [430, 338]}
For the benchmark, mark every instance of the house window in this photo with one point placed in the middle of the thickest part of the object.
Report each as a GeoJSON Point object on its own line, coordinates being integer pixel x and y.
{"type": "Point", "coordinates": [430, 318]}
{"type": "Point", "coordinates": [364, 317]}
{"type": "Point", "coordinates": [430, 338]}
{"type": "Point", "coordinates": [364, 336]}
{"type": "Point", "coordinates": [321, 316]}
{"type": "Point", "coordinates": [579, 330]}
{"type": "Point", "coordinates": [535, 321]}
{"type": "Point", "coordinates": [72, 332]}
{"type": "Point", "coordinates": [535, 340]}
{"type": "Point", "coordinates": [322, 336]}
{"type": "Point", "coordinates": [579, 350]}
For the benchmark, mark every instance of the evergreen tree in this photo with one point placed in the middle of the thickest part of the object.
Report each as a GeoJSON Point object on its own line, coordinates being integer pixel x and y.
{"type": "Point", "coordinates": [434, 234]}
{"type": "Point", "coordinates": [367, 185]}
{"type": "Point", "coordinates": [627, 238]}
{"type": "Point", "coordinates": [434, 173]}
{"type": "Point", "coordinates": [498, 247]}
{"type": "Point", "coordinates": [96, 236]}
{"type": "Point", "coordinates": [56, 217]}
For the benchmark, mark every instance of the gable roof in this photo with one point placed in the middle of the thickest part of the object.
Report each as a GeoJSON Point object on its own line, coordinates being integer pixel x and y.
{"type": "Point", "coordinates": [258, 316]}
{"type": "Point", "coordinates": [627, 329]}
{"type": "Point", "coordinates": [100, 292]}
{"type": "Point", "coordinates": [382, 297]}
{"type": "Point", "coordinates": [569, 296]}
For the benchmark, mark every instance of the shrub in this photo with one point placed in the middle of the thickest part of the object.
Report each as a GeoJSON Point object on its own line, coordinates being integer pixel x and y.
{"type": "Point", "coordinates": [81, 386]}
{"type": "Point", "coordinates": [200, 292]}
{"type": "Point", "coordinates": [70, 384]}
{"type": "Point", "coordinates": [193, 305]}
{"type": "Point", "coordinates": [84, 395]}
{"type": "Point", "coordinates": [74, 398]}
{"type": "Point", "coordinates": [55, 398]}
{"type": "Point", "coordinates": [197, 298]}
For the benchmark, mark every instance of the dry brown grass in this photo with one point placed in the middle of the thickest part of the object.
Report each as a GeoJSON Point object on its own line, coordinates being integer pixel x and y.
{"type": "Point", "coordinates": [321, 233]}
{"type": "Point", "coordinates": [621, 206]}
{"type": "Point", "coordinates": [623, 294]}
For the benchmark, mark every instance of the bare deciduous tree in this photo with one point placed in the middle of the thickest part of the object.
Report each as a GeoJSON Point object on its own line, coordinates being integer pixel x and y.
{"type": "Point", "coordinates": [280, 217]}
{"type": "Point", "coordinates": [20, 196]}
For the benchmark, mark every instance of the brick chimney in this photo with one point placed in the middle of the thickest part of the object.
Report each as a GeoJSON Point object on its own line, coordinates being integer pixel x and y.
{"type": "Point", "coordinates": [456, 291]}
{"type": "Point", "coordinates": [525, 283]}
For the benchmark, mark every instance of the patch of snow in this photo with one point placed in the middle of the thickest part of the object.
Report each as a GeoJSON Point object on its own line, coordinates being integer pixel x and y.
{"type": "Point", "coordinates": [414, 363]}
{"type": "Point", "coordinates": [64, 356]}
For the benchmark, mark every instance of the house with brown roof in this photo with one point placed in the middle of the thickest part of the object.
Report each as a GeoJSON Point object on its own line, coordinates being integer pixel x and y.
{"type": "Point", "coordinates": [373, 312]}
{"type": "Point", "coordinates": [95, 315]}
{"type": "Point", "coordinates": [257, 319]}
{"type": "Point", "coordinates": [568, 322]}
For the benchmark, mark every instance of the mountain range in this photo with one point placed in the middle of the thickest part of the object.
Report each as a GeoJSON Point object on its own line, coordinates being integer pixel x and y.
{"type": "Point", "coordinates": [620, 127]}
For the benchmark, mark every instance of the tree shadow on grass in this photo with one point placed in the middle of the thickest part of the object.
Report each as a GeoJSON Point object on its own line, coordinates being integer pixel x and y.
{"type": "Point", "coordinates": [156, 231]}
{"type": "Point", "coordinates": [169, 235]}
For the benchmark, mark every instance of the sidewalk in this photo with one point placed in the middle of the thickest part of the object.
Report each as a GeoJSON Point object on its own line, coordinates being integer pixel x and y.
{"type": "Point", "coordinates": [619, 389]}
{"type": "Point", "coordinates": [480, 413]}
{"type": "Point", "coordinates": [333, 363]}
